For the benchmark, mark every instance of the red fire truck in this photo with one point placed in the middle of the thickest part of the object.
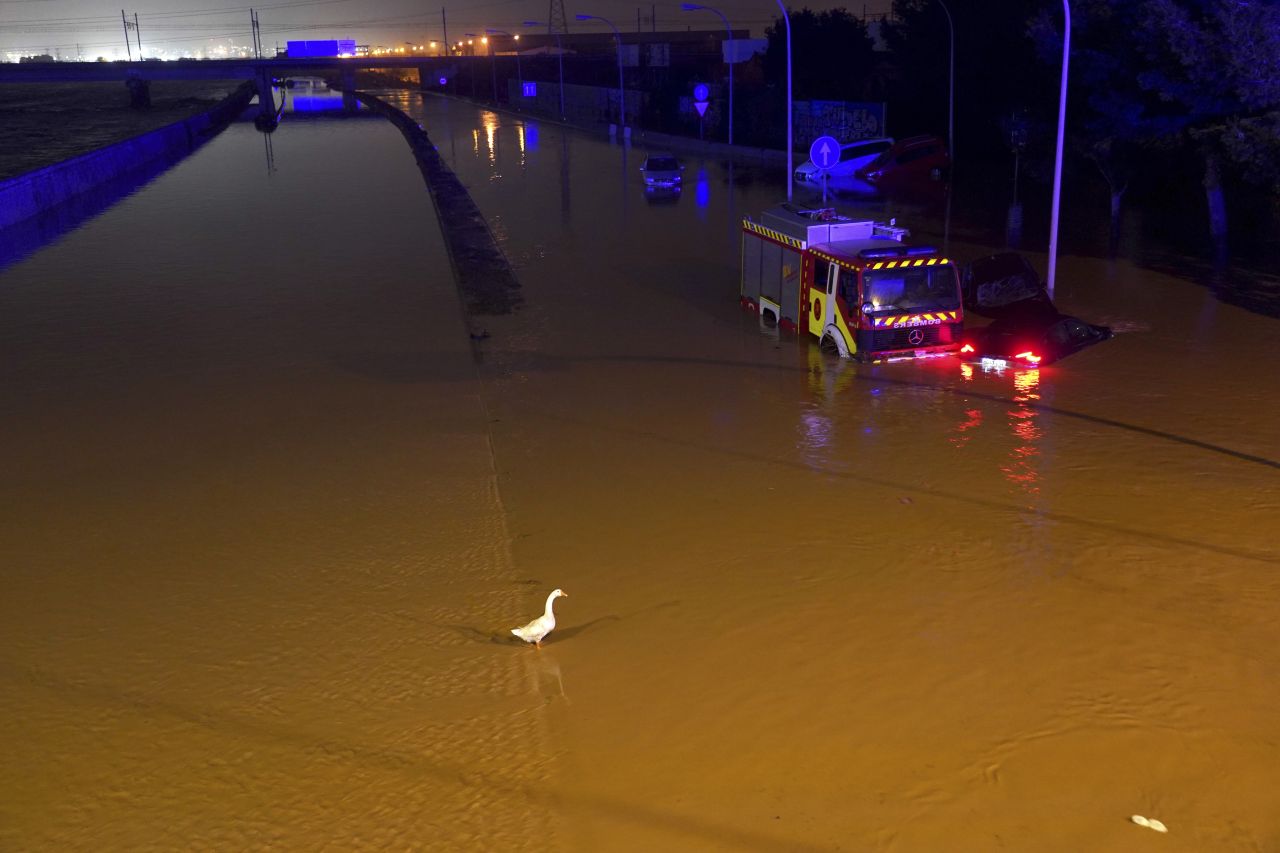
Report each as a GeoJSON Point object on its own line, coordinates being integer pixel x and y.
{"type": "Point", "coordinates": [856, 286]}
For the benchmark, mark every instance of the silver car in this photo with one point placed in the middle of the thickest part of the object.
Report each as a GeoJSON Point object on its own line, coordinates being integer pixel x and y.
{"type": "Point", "coordinates": [661, 170]}
{"type": "Point", "coordinates": [853, 156]}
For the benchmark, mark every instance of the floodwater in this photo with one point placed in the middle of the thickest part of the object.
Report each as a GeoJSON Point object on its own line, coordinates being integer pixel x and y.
{"type": "Point", "coordinates": [270, 513]}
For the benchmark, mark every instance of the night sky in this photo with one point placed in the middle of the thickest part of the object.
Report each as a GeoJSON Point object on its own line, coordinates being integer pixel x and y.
{"type": "Point", "coordinates": [71, 28]}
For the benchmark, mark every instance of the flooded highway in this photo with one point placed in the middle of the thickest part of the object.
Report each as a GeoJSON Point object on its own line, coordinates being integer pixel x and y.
{"type": "Point", "coordinates": [271, 513]}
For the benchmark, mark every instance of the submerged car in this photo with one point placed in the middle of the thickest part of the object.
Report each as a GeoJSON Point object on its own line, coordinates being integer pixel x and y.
{"type": "Point", "coordinates": [853, 156]}
{"type": "Point", "coordinates": [908, 160]}
{"type": "Point", "coordinates": [1027, 330]}
{"type": "Point", "coordinates": [661, 170]}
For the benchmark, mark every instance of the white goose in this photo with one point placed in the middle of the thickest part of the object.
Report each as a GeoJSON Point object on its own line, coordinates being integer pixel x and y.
{"type": "Point", "coordinates": [540, 627]}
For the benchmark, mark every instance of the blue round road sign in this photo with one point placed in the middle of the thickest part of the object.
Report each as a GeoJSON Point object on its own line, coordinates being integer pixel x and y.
{"type": "Point", "coordinates": [825, 152]}
{"type": "Point", "coordinates": [700, 92]}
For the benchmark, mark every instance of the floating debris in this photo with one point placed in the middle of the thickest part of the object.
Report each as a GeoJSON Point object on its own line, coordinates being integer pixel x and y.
{"type": "Point", "coordinates": [1149, 823]}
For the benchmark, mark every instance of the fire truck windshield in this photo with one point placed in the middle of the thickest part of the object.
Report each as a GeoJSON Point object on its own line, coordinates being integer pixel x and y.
{"type": "Point", "coordinates": [911, 288]}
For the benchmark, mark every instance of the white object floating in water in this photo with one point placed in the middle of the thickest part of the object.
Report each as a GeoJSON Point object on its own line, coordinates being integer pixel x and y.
{"type": "Point", "coordinates": [1149, 823]}
{"type": "Point", "coordinates": [540, 627]}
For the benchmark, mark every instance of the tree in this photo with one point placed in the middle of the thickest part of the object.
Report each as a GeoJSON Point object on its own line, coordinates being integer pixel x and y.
{"type": "Point", "coordinates": [831, 55]}
{"type": "Point", "coordinates": [1214, 65]}
{"type": "Point", "coordinates": [995, 66]}
{"type": "Point", "coordinates": [1109, 107]}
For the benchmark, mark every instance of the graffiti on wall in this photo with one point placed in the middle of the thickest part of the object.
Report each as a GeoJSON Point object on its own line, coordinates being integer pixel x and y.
{"type": "Point", "coordinates": [847, 121]}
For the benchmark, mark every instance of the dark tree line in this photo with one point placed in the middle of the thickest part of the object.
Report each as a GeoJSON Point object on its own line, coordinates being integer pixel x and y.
{"type": "Point", "coordinates": [1151, 82]}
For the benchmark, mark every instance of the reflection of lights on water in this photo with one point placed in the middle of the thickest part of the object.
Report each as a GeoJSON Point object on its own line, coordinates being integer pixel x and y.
{"type": "Point", "coordinates": [531, 136]}
{"type": "Point", "coordinates": [490, 133]}
{"type": "Point", "coordinates": [1027, 384]}
{"type": "Point", "coordinates": [702, 191]}
{"type": "Point", "coordinates": [966, 372]}
{"type": "Point", "coordinates": [817, 430]}
{"type": "Point", "coordinates": [961, 437]}
{"type": "Point", "coordinates": [1021, 468]}
{"type": "Point", "coordinates": [475, 142]}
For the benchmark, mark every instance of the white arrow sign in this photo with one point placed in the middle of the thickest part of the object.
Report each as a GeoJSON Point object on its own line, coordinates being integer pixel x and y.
{"type": "Point", "coordinates": [824, 152]}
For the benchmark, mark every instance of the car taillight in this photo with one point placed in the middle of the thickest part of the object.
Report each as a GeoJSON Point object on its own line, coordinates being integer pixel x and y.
{"type": "Point", "coordinates": [1028, 356]}
{"type": "Point", "coordinates": [967, 348]}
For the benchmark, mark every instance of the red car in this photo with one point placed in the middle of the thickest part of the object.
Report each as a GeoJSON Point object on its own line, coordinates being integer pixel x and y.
{"type": "Point", "coordinates": [910, 160]}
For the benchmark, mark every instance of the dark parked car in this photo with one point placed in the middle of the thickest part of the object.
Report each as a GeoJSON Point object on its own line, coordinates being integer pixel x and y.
{"type": "Point", "coordinates": [1028, 330]}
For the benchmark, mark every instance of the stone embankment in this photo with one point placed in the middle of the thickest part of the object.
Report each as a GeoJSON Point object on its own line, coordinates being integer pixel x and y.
{"type": "Point", "coordinates": [483, 274]}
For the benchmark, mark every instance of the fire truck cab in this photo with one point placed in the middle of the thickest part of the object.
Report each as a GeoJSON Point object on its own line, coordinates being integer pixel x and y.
{"type": "Point", "coordinates": [856, 286]}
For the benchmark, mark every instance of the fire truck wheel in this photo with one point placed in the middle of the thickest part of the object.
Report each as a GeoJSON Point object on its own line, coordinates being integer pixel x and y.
{"type": "Point", "coordinates": [832, 342]}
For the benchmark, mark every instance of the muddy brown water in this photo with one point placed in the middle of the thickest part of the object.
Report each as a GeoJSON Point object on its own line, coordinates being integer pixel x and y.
{"type": "Point", "coordinates": [267, 523]}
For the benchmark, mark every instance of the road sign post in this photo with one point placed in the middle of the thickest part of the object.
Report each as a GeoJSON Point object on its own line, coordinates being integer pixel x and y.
{"type": "Point", "coordinates": [825, 153]}
{"type": "Point", "coordinates": [700, 95]}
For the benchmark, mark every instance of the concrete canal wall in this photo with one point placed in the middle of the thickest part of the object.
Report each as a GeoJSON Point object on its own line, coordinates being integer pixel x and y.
{"type": "Point", "coordinates": [42, 190]}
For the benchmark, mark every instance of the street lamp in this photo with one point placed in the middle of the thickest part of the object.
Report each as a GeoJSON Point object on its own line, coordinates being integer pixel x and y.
{"type": "Point", "coordinates": [519, 73]}
{"type": "Point", "coordinates": [471, 66]}
{"type": "Point", "coordinates": [790, 157]}
{"type": "Point", "coordinates": [560, 51]}
{"type": "Point", "coordinates": [1057, 157]}
{"type": "Point", "coordinates": [622, 104]}
{"type": "Point", "coordinates": [951, 96]}
{"type": "Point", "coordinates": [692, 7]}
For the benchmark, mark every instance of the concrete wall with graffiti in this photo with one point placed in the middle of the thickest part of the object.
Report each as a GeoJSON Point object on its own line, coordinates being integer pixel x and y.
{"type": "Point", "coordinates": [847, 121]}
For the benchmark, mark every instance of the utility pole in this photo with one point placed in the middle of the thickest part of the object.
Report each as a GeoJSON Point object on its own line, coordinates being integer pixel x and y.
{"type": "Point", "coordinates": [445, 24]}
{"type": "Point", "coordinates": [137, 32]}
{"type": "Point", "coordinates": [127, 46]}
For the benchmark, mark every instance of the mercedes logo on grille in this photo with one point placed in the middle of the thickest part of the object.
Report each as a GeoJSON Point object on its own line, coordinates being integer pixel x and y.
{"type": "Point", "coordinates": [915, 337]}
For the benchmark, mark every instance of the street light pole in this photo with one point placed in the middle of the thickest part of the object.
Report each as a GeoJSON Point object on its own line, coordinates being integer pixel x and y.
{"type": "Point", "coordinates": [1057, 157]}
{"type": "Point", "coordinates": [690, 7]}
{"type": "Point", "coordinates": [560, 51]}
{"type": "Point", "coordinates": [790, 157]}
{"type": "Point", "coordinates": [471, 65]}
{"type": "Point", "coordinates": [493, 67]}
{"type": "Point", "coordinates": [622, 103]}
{"type": "Point", "coordinates": [951, 96]}
{"type": "Point", "coordinates": [514, 38]}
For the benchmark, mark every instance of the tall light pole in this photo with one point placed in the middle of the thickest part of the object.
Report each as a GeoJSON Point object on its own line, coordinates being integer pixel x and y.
{"type": "Point", "coordinates": [559, 50]}
{"type": "Point", "coordinates": [791, 177]}
{"type": "Point", "coordinates": [493, 67]}
{"type": "Point", "coordinates": [471, 65]}
{"type": "Point", "coordinates": [951, 96]}
{"type": "Point", "coordinates": [622, 103]}
{"type": "Point", "coordinates": [691, 7]}
{"type": "Point", "coordinates": [519, 73]}
{"type": "Point", "coordinates": [493, 71]}
{"type": "Point", "coordinates": [1057, 157]}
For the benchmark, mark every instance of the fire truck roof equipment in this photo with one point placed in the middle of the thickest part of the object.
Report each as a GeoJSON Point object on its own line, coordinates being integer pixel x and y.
{"type": "Point", "coordinates": [824, 225]}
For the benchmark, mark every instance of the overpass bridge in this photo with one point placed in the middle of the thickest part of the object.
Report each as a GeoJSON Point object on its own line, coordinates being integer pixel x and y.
{"type": "Point", "coordinates": [139, 74]}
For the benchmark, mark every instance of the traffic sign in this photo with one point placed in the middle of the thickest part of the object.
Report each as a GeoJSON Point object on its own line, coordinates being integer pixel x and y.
{"type": "Point", "coordinates": [825, 152]}
{"type": "Point", "coordinates": [701, 92]}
